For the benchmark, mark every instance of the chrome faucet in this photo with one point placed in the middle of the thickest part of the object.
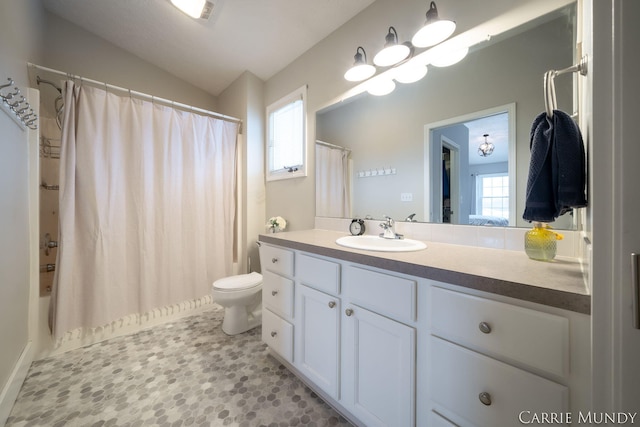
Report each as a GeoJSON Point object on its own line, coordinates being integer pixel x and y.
{"type": "Point", "coordinates": [389, 232]}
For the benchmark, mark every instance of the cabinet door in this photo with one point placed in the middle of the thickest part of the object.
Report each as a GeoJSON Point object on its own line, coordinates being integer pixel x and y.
{"type": "Point", "coordinates": [378, 371]}
{"type": "Point", "coordinates": [318, 337]}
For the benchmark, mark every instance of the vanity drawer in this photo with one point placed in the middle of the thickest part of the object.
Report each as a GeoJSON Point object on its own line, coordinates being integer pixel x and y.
{"type": "Point", "coordinates": [276, 260]}
{"type": "Point", "coordinates": [382, 293]}
{"type": "Point", "coordinates": [318, 273]}
{"type": "Point", "coordinates": [277, 333]}
{"type": "Point", "coordinates": [277, 294]}
{"type": "Point", "coordinates": [486, 392]}
{"type": "Point", "coordinates": [539, 340]}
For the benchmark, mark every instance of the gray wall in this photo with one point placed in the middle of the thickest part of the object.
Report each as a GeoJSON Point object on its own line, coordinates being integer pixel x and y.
{"type": "Point", "coordinates": [21, 34]}
{"type": "Point", "coordinates": [74, 50]}
{"type": "Point", "coordinates": [244, 99]}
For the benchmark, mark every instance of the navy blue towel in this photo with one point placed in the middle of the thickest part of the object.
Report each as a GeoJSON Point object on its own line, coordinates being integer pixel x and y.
{"type": "Point", "coordinates": [557, 172]}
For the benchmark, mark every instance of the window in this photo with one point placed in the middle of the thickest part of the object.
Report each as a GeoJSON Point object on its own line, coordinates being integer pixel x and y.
{"type": "Point", "coordinates": [493, 195]}
{"type": "Point", "coordinates": [286, 136]}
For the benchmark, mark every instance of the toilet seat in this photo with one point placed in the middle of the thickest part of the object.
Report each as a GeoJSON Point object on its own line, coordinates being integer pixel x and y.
{"type": "Point", "coordinates": [239, 282]}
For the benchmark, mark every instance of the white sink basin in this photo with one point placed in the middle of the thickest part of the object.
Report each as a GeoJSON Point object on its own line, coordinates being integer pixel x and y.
{"type": "Point", "coordinates": [375, 243]}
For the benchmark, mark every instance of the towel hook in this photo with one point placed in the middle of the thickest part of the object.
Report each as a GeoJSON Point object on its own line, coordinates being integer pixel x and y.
{"type": "Point", "coordinates": [11, 83]}
{"type": "Point", "coordinates": [550, 101]}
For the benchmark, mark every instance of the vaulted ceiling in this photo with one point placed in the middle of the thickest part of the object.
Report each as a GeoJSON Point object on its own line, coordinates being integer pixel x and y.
{"type": "Point", "coordinates": [260, 36]}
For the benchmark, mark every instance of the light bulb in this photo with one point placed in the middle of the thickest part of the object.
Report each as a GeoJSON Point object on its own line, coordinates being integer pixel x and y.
{"type": "Point", "coordinates": [410, 72]}
{"type": "Point", "coordinates": [381, 87]}
{"type": "Point", "coordinates": [391, 55]}
{"type": "Point", "coordinates": [360, 72]}
{"type": "Point", "coordinates": [433, 33]}
{"type": "Point", "coordinates": [449, 58]}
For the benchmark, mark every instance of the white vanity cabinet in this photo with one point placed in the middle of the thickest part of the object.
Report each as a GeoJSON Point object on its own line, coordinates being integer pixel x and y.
{"type": "Point", "coordinates": [391, 349]}
{"type": "Point", "coordinates": [350, 341]}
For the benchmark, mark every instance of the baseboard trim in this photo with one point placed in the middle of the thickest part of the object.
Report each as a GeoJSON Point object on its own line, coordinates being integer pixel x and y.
{"type": "Point", "coordinates": [14, 383]}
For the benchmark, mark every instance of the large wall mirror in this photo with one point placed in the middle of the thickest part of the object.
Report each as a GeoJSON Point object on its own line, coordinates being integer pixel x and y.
{"type": "Point", "coordinates": [415, 154]}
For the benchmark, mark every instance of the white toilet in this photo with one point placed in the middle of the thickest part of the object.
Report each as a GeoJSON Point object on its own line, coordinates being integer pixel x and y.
{"type": "Point", "coordinates": [241, 297]}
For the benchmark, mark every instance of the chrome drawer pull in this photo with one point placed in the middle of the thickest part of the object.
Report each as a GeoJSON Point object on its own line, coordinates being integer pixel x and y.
{"type": "Point", "coordinates": [274, 260]}
{"type": "Point", "coordinates": [273, 334]}
{"type": "Point", "coordinates": [274, 293]}
{"type": "Point", "coordinates": [484, 327]}
{"type": "Point", "coordinates": [485, 398]}
{"type": "Point", "coordinates": [332, 304]}
{"type": "Point", "coordinates": [348, 312]}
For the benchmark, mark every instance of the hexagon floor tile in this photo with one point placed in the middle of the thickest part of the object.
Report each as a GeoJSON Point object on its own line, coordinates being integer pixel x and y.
{"type": "Point", "coordinates": [184, 373]}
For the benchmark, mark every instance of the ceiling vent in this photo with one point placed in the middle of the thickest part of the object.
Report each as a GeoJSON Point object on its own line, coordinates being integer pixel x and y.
{"type": "Point", "coordinates": [197, 9]}
{"type": "Point", "coordinates": [207, 10]}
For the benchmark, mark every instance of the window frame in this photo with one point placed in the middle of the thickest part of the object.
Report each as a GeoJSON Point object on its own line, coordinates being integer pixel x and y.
{"type": "Point", "coordinates": [296, 171]}
{"type": "Point", "coordinates": [479, 191]}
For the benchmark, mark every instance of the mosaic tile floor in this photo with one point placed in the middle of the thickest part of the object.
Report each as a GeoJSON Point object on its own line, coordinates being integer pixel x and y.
{"type": "Point", "coordinates": [185, 373]}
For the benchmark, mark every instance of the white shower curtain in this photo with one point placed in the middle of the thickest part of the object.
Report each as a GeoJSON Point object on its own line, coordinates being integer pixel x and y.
{"type": "Point", "coordinates": [147, 207]}
{"type": "Point", "coordinates": [333, 197]}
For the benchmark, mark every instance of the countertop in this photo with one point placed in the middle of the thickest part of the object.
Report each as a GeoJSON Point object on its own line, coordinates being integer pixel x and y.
{"type": "Point", "coordinates": [558, 283]}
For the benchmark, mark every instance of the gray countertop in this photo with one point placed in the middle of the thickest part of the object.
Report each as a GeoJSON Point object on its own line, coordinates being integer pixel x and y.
{"type": "Point", "coordinates": [510, 273]}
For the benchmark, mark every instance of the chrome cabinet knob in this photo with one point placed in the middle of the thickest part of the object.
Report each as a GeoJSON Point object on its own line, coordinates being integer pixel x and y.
{"type": "Point", "coordinates": [484, 327]}
{"type": "Point", "coordinates": [348, 312]}
{"type": "Point", "coordinates": [273, 334]}
{"type": "Point", "coordinates": [485, 398]}
{"type": "Point", "coordinates": [274, 260]}
{"type": "Point", "coordinates": [274, 293]}
{"type": "Point", "coordinates": [332, 304]}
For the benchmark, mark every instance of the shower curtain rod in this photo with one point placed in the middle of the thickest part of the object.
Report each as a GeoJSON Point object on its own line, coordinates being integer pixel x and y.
{"type": "Point", "coordinates": [327, 144]}
{"type": "Point", "coordinates": [142, 95]}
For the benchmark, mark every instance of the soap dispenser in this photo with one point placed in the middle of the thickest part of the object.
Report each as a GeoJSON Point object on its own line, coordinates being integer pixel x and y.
{"type": "Point", "coordinates": [540, 242]}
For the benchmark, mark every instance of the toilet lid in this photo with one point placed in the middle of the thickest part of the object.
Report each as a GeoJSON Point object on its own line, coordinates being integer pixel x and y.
{"type": "Point", "coordinates": [239, 282]}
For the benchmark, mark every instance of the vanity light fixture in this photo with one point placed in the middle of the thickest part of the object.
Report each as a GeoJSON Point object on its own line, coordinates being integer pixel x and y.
{"type": "Point", "coordinates": [486, 148]}
{"type": "Point", "coordinates": [393, 52]}
{"type": "Point", "coordinates": [406, 67]}
{"type": "Point", "coordinates": [360, 70]}
{"type": "Point", "coordinates": [435, 30]}
{"type": "Point", "coordinates": [194, 8]}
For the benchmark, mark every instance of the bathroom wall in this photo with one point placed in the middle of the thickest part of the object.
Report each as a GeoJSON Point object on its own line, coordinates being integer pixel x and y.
{"type": "Point", "coordinates": [21, 33]}
{"type": "Point", "coordinates": [244, 99]}
{"type": "Point", "coordinates": [322, 68]}
{"type": "Point", "coordinates": [74, 50]}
